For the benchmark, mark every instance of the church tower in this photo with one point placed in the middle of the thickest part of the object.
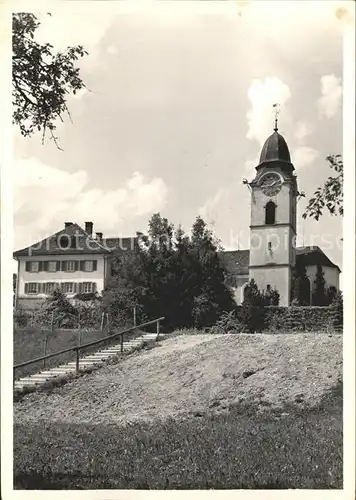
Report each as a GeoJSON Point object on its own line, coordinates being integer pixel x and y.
{"type": "Point", "coordinates": [273, 219]}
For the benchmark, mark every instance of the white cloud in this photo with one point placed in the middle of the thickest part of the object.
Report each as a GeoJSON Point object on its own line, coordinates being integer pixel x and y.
{"type": "Point", "coordinates": [331, 92]}
{"type": "Point", "coordinates": [304, 156]}
{"type": "Point", "coordinates": [302, 130]}
{"type": "Point", "coordinates": [210, 210]}
{"type": "Point", "coordinates": [45, 197]}
{"type": "Point", "coordinates": [262, 95]}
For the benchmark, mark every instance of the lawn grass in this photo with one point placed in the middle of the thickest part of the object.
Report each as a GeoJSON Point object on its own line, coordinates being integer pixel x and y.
{"type": "Point", "coordinates": [241, 448]}
{"type": "Point", "coordinates": [29, 344]}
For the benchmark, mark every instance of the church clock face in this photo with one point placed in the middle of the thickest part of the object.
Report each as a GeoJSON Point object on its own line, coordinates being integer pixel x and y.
{"type": "Point", "coordinates": [271, 184]}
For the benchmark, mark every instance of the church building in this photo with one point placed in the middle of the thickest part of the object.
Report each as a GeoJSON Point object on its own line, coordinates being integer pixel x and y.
{"type": "Point", "coordinates": [77, 262]}
{"type": "Point", "coordinates": [273, 221]}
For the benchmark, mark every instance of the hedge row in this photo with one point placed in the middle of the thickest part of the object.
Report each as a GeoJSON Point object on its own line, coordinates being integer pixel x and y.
{"type": "Point", "coordinates": [307, 318]}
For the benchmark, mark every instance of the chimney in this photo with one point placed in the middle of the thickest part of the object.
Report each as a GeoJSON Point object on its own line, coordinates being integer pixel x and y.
{"type": "Point", "coordinates": [99, 236]}
{"type": "Point", "coordinates": [89, 228]}
{"type": "Point", "coordinates": [67, 224]}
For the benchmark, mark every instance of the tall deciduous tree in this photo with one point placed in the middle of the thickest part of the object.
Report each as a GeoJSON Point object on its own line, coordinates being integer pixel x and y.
{"type": "Point", "coordinates": [214, 296]}
{"type": "Point", "coordinates": [329, 196]}
{"type": "Point", "coordinates": [171, 275]}
{"type": "Point", "coordinates": [41, 79]}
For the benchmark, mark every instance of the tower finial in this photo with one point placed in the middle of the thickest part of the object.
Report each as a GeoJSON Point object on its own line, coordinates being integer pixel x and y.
{"type": "Point", "coordinates": [276, 114]}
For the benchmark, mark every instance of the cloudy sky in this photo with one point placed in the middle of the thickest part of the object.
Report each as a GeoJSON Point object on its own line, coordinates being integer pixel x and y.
{"type": "Point", "coordinates": [178, 106]}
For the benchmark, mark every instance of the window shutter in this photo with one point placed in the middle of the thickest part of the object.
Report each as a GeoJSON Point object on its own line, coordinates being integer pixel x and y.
{"type": "Point", "coordinates": [58, 265]}
{"type": "Point", "coordinates": [76, 265]}
{"type": "Point", "coordinates": [63, 265]}
{"type": "Point", "coordinates": [94, 285]}
{"type": "Point", "coordinates": [27, 267]}
{"type": "Point", "coordinates": [26, 286]}
{"type": "Point", "coordinates": [82, 264]}
{"type": "Point", "coordinates": [41, 266]}
{"type": "Point", "coordinates": [95, 265]}
{"type": "Point", "coordinates": [41, 287]}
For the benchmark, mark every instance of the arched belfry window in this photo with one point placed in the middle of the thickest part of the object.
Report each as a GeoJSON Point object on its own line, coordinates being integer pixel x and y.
{"type": "Point", "coordinates": [270, 213]}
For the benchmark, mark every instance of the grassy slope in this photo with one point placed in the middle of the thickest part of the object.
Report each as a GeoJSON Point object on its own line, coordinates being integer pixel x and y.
{"type": "Point", "coordinates": [29, 344]}
{"type": "Point", "coordinates": [275, 428]}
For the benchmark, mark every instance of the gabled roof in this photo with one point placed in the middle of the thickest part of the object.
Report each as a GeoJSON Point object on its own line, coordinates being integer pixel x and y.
{"type": "Point", "coordinates": [61, 243]}
{"type": "Point", "coordinates": [313, 255]}
{"type": "Point", "coordinates": [120, 244]}
{"type": "Point", "coordinates": [236, 262]}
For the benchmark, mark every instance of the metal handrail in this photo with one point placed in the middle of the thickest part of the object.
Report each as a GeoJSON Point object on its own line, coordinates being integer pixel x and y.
{"type": "Point", "coordinates": [94, 342]}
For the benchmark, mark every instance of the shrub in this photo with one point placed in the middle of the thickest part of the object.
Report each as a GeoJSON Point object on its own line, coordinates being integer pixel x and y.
{"type": "Point", "coordinates": [21, 318]}
{"type": "Point", "coordinates": [301, 318]}
{"type": "Point", "coordinates": [337, 312]}
{"type": "Point", "coordinates": [228, 322]}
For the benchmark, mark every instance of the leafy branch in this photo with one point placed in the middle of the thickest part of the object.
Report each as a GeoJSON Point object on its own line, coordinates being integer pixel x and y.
{"type": "Point", "coordinates": [41, 79]}
{"type": "Point", "coordinates": [329, 196]}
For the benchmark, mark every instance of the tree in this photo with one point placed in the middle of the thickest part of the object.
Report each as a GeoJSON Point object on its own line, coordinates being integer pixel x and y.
{"type": "Point", "coordinates": [213, 297]}
{"type": "Point", "coordinates": [300, 285]}
{"type": "Point", "coordinates": [171, 275]}
{"type": "Point", "coordinates": [329, 196]}
{"type": "Point", "coordinates": [331, 294]}
{"type": "Point", "coordinates": [41, 79]}
{"type": "Point", "coordinates": [252, 315]}
{"type": "Point", "coordinates": [271, 296]}
{"type": "Point", "coordinates": [319, 294]}
{"type": "Point", "coordinates": [14, 280]}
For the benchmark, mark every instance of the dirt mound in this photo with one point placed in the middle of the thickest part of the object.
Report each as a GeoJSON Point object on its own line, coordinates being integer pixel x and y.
{"type": "Point", "coordinates": [188, 374]}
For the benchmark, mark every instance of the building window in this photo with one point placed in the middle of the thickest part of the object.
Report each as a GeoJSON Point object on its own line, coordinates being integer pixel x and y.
{"type": "Point", "coordinates": [31, 288]}
{"type": "Point", "coordinates": [87, 287]}
{"type": "Point", "coordinates": [69, 287]}
{"type": "Point", "coordinates": [52, 266]}
{"type": "Point", "coordinates": [32, 266]}
{"type": "Point", "coordinates": [64, 241]}
{"type": "Point", "coordinates": [69, 266]}
{"type": "Point", "coordinates": [49, 288]}
{"type": "Point", "coordinates": [270, 213]}
{"type": "Point", "coordinates": [88, 265]}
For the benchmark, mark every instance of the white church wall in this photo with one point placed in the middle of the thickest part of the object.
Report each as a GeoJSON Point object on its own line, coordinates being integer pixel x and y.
{"type": "Point", "coordinates": [278, 277]}
{"type": "Point", "coordinates": [241, 282]}
{"type": "Point", "coordinates": [281, 200]}
{"type": "Point", "coordinates": [331, 275]}
{"type": "Point", "coordinates": [280, 238]}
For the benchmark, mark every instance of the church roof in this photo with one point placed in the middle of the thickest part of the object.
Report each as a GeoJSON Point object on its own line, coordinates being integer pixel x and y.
{"type": "Point", "coordinates": [275, 149]}
{"type": "Point", "coordinates": [236, 262]}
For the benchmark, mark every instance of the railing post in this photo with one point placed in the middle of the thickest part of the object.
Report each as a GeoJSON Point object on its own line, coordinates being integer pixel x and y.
{"type": "Point", "coordinates": [122, 342]}
{"type": "Point", "coordinates": [157, 329]}
{"type": "Point", "coordinates": [77, 360]}
{"type": "Point", "coordinates": [45, 349]}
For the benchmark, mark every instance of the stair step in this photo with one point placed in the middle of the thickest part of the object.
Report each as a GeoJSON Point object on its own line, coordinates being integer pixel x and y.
{"type": "Point", "coordinates": [97, 358]}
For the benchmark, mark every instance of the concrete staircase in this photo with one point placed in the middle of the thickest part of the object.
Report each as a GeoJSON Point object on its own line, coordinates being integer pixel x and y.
{"type": "Point", "coordinates": [96, 359]}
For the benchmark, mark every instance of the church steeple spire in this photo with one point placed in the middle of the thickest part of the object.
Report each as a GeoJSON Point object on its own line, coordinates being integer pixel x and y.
{"type": "Point", "coordinates": [276, 106]}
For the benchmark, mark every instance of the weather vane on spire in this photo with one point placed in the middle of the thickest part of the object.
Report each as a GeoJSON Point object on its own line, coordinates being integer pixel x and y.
{"type": "Point", "coordinates": [276, 115]}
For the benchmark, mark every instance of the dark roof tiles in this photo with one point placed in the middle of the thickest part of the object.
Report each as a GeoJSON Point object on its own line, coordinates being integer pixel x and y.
{"type": "Point", "coordinates": [275, 149]}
